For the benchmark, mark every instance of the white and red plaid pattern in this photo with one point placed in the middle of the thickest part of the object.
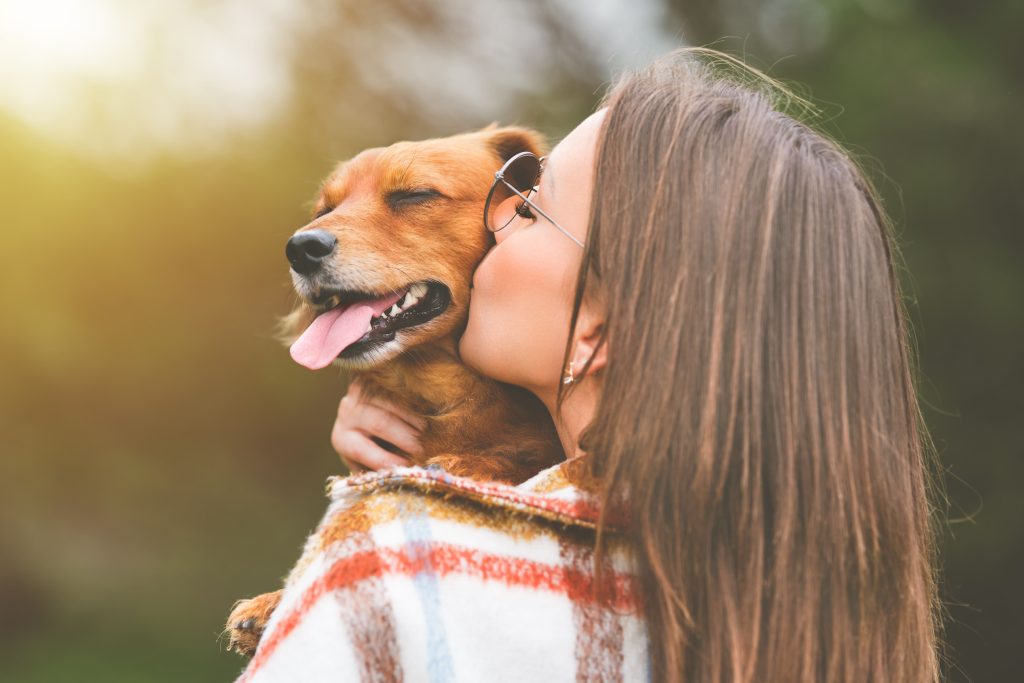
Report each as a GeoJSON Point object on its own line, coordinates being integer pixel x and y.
{"type": "Point", "coordinates": [415, 575]}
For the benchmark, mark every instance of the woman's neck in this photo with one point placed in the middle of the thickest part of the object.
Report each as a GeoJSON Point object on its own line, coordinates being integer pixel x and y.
{"type": "Point", "coordinates": [576, 413]}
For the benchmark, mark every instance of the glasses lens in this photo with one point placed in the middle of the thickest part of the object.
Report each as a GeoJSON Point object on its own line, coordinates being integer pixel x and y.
{"type": "Point", "coordinates": [521, 172]}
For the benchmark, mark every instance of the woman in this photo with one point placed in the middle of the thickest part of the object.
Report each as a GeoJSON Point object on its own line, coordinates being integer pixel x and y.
{"type": "Point", "coordinates": [728, 366]}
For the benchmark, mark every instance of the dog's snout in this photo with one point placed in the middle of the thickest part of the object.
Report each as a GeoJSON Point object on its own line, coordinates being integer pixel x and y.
{"type": "Point", "coordinates": [307, 250]}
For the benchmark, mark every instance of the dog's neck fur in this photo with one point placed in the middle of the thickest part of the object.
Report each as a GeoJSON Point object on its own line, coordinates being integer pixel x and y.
{"type": "Point", "coordinates": [428, 379]}
{"type": "Point", "coordinates": [476, 426]}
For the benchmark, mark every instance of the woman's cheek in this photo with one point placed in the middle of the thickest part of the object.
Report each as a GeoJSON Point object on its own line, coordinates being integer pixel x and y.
{"type": "Point", "coordinates": [518, 320]}
{"type": "Point", "coordinates": [477, 341]}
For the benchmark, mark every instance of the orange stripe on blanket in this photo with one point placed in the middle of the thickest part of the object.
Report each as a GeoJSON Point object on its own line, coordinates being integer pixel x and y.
{"type": "Point", "coordinates": [441, 560]}
{"type": "Point", "coordinates": [583, 509]}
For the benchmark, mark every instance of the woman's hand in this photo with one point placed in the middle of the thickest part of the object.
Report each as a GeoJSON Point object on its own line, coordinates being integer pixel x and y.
{"type": "Point", "coordinates": [360, 420]}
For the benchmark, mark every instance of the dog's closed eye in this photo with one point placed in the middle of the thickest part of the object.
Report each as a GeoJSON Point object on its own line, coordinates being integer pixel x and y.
{"type": "Point", "coordinates": [399, 198]}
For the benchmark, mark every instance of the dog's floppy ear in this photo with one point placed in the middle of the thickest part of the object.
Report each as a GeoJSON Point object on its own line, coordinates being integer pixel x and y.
{"type": "Point", "coordinates": [511, 140]}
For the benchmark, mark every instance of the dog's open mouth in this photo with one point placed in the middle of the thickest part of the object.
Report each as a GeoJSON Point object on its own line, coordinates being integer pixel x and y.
{"type": "Point", "coordinates": [348, 322]}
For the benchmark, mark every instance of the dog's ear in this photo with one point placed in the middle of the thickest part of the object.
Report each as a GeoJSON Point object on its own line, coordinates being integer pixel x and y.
{"type": "Point", "coordinates": [511, 140]}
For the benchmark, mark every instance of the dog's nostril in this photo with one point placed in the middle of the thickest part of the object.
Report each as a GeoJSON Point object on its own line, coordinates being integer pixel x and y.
{"type": "Point", "coordinates": [307, 249]}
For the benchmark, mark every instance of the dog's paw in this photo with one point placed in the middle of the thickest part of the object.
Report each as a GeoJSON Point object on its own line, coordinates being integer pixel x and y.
{"type": "Point", "coordinates": [248, 620]}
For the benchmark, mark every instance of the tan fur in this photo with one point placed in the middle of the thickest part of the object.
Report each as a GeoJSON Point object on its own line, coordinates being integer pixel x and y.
{"type": "Point", "coordinates": [476, 427]}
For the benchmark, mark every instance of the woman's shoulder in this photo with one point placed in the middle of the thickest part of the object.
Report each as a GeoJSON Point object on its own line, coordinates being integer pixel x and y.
{"type": "Point", "coordinates": [561, 494]}
{"type": "Point", "coordinates": [422, 568]}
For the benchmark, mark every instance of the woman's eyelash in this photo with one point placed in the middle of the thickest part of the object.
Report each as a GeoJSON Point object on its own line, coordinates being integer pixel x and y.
{"type": "Point", "coordinates": [524, 210]}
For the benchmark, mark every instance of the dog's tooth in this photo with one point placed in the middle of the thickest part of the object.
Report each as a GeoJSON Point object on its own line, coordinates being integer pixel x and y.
{"type": "Point", "coordinates": [395, 310]}
{"type": "Point", "coordinates": [408, 300]}
{"type": "Point", "coordinates": [418, 290]}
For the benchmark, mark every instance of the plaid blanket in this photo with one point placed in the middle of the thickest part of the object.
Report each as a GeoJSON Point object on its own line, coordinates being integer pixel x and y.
{"type": "Point", "coordinates": [415, 575]}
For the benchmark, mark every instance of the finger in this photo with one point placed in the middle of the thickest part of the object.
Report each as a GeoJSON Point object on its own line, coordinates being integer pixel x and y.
{"type": "Point", "coordinates": [375, 421]}
{"type": "Point", "coordinates": [359, 449]}
{"type": "Point", "coordinates": [352, 466]}
{"type": "Point", "coordinates": [354, 399]}
{"type": "Point", "coordinates": [355, 389]}
{"type": "Point", "coordinates": [416, 422]}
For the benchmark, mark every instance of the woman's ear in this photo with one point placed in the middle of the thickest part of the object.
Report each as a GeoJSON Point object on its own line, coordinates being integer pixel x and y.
{"type": "Point", "coordinates": [587, 342]}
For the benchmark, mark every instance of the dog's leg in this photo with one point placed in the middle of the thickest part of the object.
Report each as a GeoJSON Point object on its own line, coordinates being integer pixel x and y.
{"type": "Point", "coordinates": [247, 621]}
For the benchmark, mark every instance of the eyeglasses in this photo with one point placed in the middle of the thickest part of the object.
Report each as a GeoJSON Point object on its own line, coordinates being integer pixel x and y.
{"type": "Point", "coordinates": [510, 194]}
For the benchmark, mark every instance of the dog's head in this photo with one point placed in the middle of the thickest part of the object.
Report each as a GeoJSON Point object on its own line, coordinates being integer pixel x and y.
{"type": "Point", "coordinates": [387, 261]}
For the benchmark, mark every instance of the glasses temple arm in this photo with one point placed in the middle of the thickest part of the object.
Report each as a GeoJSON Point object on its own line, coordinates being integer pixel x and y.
{"type": "Point", "coordinates": [541, 212]}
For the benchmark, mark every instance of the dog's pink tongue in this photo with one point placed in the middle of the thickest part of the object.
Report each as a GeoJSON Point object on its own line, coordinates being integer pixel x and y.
{"type": "Point", "coordinates": [332, 332]}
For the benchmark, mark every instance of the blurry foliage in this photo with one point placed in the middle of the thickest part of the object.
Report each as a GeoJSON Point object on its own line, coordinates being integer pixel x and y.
{"type": "Point", "coordinates": [163, 457]}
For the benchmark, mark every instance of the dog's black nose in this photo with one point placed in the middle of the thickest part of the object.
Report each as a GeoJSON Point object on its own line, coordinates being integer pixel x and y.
{"type": "Point", "coordinates": [306, 250]}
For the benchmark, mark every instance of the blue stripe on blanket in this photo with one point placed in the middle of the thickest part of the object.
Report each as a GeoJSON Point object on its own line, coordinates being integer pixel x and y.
{"type": "Point", "coordinates": [439, 664]}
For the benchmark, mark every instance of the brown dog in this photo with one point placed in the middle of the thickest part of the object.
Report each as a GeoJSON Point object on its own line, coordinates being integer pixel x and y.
{"type": "Point", "coordinates": [384, 272]}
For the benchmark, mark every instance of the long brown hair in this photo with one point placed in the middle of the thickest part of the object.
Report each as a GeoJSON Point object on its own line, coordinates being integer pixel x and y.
{"type": "Point", "coordinates": [758, 413]}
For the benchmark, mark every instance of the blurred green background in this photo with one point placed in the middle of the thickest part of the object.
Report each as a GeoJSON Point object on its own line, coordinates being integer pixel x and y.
{"type": "Point", "coordinates": [162, 456]}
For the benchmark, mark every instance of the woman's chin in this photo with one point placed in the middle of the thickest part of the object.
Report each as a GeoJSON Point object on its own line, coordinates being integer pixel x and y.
{"type": "Point", "coordinates": [471, 356]}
